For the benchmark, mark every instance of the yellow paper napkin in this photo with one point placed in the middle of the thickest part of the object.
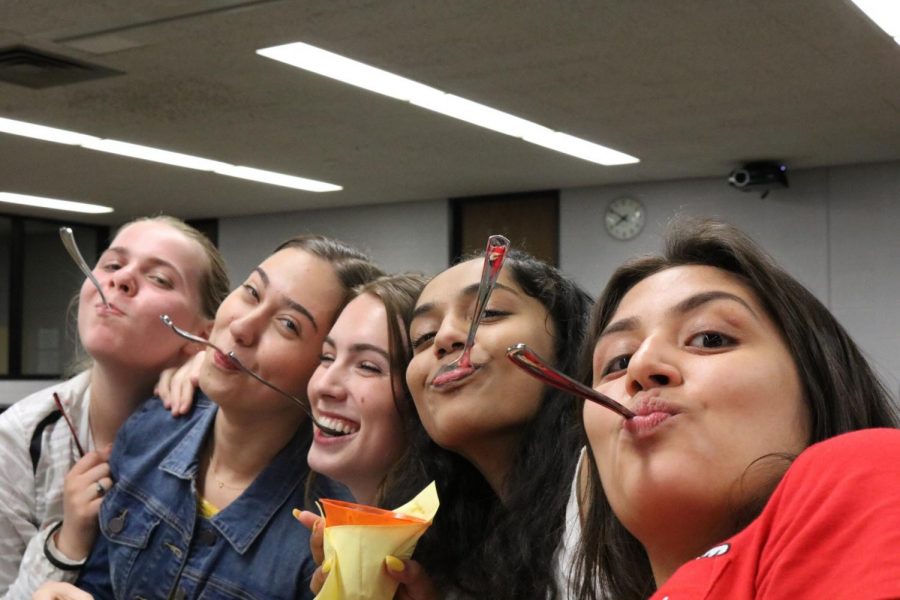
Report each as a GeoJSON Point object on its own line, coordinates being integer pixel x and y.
{"type": "Point", "coordinates": [359, 537]}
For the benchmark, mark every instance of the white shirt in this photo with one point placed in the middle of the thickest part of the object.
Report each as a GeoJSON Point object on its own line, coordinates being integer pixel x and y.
{"type": "Point", "coordinates": [565, 554]}
{"type": "Point", "coordinates": [31, 500]}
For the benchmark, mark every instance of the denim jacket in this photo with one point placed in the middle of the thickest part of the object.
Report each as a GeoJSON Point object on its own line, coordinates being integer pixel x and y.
{"type": "Point", "coordinates": [153, 543]}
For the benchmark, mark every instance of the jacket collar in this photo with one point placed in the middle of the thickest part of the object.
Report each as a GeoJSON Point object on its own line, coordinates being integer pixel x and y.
{"type": "Point", "coordinates": [243, 520]}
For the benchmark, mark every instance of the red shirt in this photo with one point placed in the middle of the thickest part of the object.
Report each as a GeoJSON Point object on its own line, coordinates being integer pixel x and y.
{"type": "Point", "coordinates": [830, 530]}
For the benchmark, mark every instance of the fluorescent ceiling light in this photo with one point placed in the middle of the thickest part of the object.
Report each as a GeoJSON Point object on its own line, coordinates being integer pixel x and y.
{"type": "Point", "coordinates": [52, 203]}
{"type": "Point", "coordinates": [338, 67]}
{"type": "Point", "coordinates": [177, 159]}
{"type": "Point", "coordinates": [40, 132]}
{"type": "Point", "coordinates": [885, 13]}
{"type": "Point", "coordinates": [155, 154]}
{"type": "Point", "coordinates": [290, 181]}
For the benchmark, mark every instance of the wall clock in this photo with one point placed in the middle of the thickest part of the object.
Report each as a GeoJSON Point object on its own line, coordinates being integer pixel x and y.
{"type": "Point", "coordinates": [625, 218]}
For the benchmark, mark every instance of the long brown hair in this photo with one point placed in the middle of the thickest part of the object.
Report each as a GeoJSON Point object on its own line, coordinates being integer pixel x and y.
{"type": "Point", "coordinates": [398, 294]}
{"type": "Point", "coordinates": [840, 389]}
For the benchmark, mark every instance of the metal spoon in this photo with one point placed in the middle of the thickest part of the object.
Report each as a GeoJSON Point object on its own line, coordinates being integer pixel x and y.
{"type": "Point", "coordinates": [527, 359]}
{"type": "Point", "coordinates": [494, 254]}
{"type": "Point", "coordinates": [167, 321]}
{"type": "Point", "coordinates": [68, 240]}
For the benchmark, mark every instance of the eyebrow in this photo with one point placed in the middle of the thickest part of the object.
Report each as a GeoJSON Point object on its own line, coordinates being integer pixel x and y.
{"type": "Point", "coordinates": [154, 260]}
{"type": "Point", "coordinates": [697, 300]}
{"type": "Point", "coordinates": [683, 307]}
{"type": "Point", "coordinates": [290, 303]}
{"type": "Point", "coordinates": [469, 290]}
{"type": "Point", "coordinates": [359, 348]}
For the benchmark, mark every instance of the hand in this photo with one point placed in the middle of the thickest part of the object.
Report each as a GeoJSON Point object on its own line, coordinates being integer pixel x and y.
{"type": "Point", "coordinates": [316, 526]}
{"type": "Point", "coordinates": [82, 497]}
{"type": "Point", "coordinates": [176, 386]}
{"type": "Point", "coordinates": [56, 590]}
{"type": "Point", "coordinates": [415, 584]}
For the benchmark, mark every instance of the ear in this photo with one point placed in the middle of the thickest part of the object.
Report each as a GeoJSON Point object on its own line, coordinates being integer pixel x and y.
{"type": "Point", "coordinates": [190, 349]}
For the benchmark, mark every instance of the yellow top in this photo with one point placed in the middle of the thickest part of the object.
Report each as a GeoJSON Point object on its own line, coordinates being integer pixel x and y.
{"type": "Point", "coordinates": [207, 510]}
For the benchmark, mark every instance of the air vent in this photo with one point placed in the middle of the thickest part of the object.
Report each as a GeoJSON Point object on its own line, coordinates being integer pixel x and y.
{"type": "Point", "coordinates": [29, 67]}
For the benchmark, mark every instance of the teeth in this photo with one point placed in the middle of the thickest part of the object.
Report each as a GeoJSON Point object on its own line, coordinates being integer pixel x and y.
{"type": "Point", "coordinates": [345, 427]}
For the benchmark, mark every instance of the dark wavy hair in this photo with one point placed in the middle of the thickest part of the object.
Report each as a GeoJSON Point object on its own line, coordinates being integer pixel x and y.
{"type": "Point", "coordinates": [477, 544]}
{"type": "Point", "coordinates": [840, 389]}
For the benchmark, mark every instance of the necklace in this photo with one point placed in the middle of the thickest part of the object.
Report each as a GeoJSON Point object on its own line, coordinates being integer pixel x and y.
{"type": "Point", "coordinates": [219, 483]}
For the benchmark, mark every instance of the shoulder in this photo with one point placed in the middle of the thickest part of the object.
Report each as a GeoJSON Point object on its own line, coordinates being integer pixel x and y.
{"type": "Point", "coordinates": [19, 421]}
{"type": "Point", "coordinates": [152, 424]}
{"type": "Point", "coordinates": [842, 471]}
{"type": "Point", "coordinates": [874, 451]}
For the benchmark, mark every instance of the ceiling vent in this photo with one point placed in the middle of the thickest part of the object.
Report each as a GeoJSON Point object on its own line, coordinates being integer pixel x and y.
{"type": "Point", "coordinates": [30, 67]}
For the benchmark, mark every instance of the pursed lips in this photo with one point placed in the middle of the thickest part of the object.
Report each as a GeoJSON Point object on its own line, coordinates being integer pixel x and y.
{"type": "Point", "coordinates": [650, 412]}
{"type": "Point", "coordinates": [442, 381]}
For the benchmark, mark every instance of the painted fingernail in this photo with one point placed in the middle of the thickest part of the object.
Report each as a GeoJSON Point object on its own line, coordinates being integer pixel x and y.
{"type": "Point", "coordinates": [326, 566]}
{"type": "Point", "coordinates": [296, 513]}
{"type": "Point", "coordinates": [394, 564]}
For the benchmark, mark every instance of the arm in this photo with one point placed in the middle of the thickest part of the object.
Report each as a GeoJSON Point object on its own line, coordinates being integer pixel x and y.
{"type": "Point", "coordinates": [95, 576]}
{"type": "Point", "coordinates": [24, 566]}
{"type": "Point", "coordinates": [176, 385]}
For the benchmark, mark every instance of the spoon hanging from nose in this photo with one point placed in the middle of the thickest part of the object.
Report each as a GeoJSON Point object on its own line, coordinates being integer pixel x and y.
{"type": "Point", "coordinates": [527, 359]}
{"type": "Point", "coordinates": [494, 255]}
{"type": "Point", "coordinates": [68, 240]}
{"type": "Point", "coordinates": [167, 321]}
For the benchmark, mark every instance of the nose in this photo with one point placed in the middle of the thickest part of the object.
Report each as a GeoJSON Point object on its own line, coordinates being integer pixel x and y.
{"type": "Point", "coordinates": [653, 365]}
{"type": "Point", "coordinates": [450, 336]}
{"type": "Point", "coordinates": [247, 327]}
{"type": "Point", "coordinates": [327, 383]}
{"type": "Point", "coordinates": [123, 281]}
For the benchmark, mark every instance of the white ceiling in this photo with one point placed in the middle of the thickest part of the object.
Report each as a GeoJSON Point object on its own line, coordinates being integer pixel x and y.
{"type": "Point", "coordinates": [693, 88]}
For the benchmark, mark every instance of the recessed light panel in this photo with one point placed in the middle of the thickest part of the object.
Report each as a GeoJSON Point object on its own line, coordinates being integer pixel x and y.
{"type": "Point", "coordinates": [53, 203]}
{"type": "Point", "coordinates": [344, 69]}
{"type": "Point", "coordinates": [885, 13]}
{"type": "Point", "coordinates": [61, 136]}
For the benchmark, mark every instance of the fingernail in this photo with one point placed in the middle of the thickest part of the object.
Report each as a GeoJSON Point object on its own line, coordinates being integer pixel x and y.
{"type": "Point", "coordinates": [296, 514]}
{"type": "Point", "coordinates": [326, 566]}
{"type": "Point", "coordinates": [394, 564]}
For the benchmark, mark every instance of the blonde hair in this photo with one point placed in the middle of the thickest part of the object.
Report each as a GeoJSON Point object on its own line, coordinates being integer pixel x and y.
{"type": "Point", "coordinates": [214, 284]}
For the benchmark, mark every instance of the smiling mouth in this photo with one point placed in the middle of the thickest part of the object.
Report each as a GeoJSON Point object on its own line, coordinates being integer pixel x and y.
{"type": "Point", "coordinates": [340, 425]}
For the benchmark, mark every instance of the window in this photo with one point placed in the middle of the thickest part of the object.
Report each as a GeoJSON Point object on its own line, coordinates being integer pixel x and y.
{"type": "Point", "coordinates": [38, 282]}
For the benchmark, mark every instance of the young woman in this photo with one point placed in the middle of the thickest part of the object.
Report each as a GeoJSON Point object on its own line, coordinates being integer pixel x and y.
{"type": "Point", "coordinates": [49, 496]}
{"type": "Point", "coordinates": [359, 387]}
{"type": "Point", "coordinates": [501, 446]}
{"type": "Point", "coordinates": [742, 383]}
{"type": "Point", "coordinates": [202, 505]}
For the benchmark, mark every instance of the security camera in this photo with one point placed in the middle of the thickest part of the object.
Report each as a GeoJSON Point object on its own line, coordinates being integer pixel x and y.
{"type": "Point", "coordinates": [762, 176]}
